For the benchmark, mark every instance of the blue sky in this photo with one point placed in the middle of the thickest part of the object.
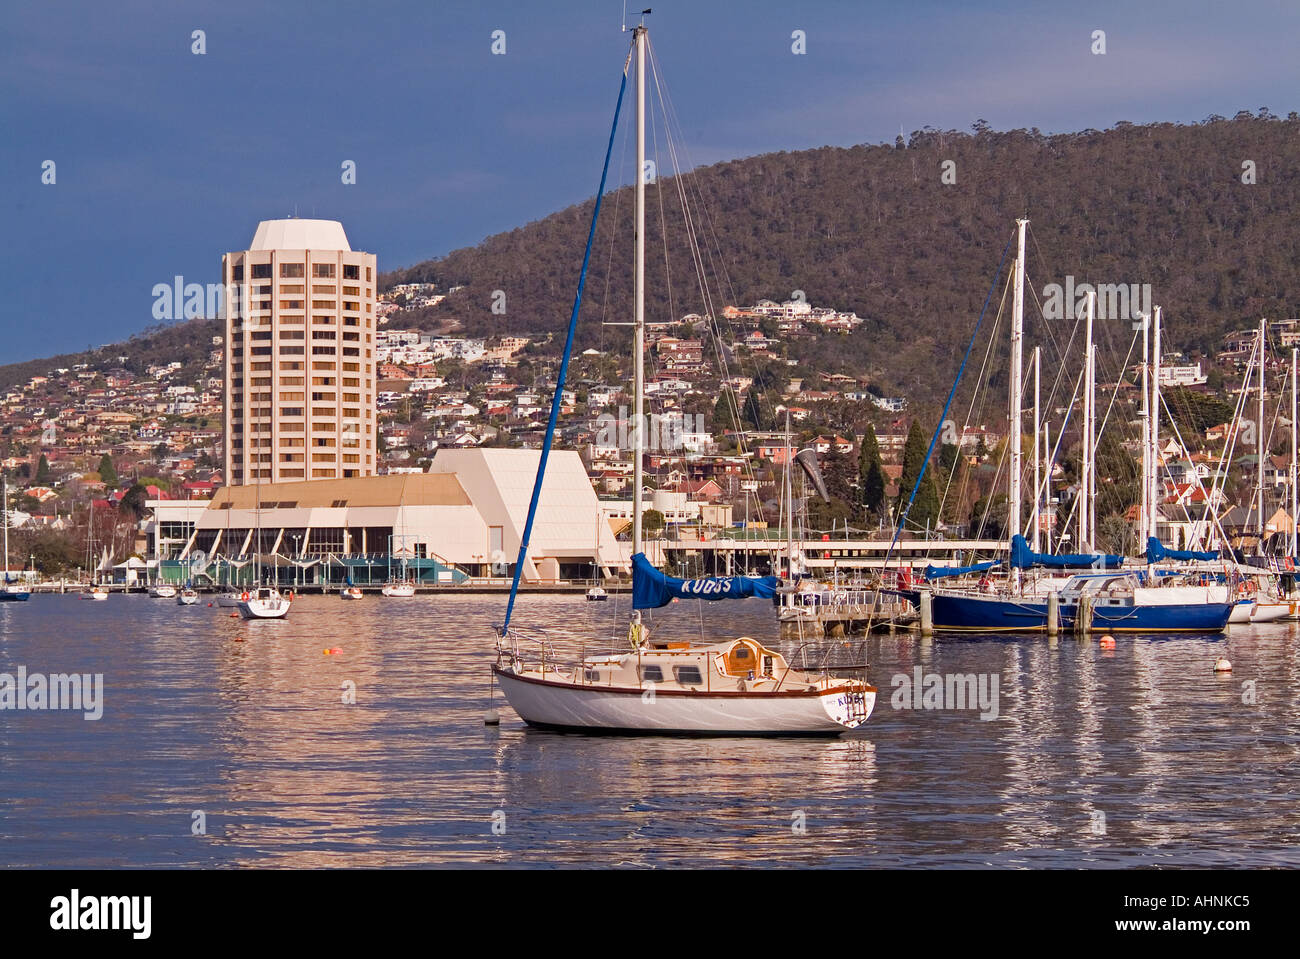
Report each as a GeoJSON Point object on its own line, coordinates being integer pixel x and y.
{"type": "Point", "coordinates": [166, 159]}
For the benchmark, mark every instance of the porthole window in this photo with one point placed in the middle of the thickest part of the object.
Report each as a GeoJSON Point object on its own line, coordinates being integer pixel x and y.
{"type": "Point", "coordinates": [652, 674]}
{"type": "Point", "coordinates": [688, 675]}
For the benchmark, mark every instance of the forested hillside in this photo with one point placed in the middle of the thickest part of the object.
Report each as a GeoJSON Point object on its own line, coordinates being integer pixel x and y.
{"type": "Point", "coordinates": [874, 229]}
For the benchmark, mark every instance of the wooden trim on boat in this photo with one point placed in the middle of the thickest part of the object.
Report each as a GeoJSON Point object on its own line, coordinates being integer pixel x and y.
{"type": "Point", "coordinates": [854, 687]}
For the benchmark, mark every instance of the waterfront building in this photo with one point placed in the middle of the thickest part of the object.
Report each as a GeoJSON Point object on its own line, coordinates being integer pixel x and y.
{"type": "Point", "coordinates": [463, 519]}
{"type": "Point", "coordinates": [299, 345]}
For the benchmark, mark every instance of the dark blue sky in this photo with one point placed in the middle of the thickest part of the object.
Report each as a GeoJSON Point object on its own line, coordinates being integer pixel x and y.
{"type": "Point", "coordinates": [165, 159]}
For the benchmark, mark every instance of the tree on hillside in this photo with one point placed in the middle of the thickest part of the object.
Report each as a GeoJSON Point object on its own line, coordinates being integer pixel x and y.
{"type": "Point", "coordinates": [652, 521]}
{"type": "Point", "coordinates": [724, 413]}
{"type": "Point", "coordinates": [133, 502]}
{"type": "Point", "coordinates": [1118, 479]}
{"type": "Point", "coordinates": [839, 472]}
{"type": "Point", "coordinates": [871, 473]}
{"type": "Point", "coordinates": [43, 472]}
{"type": "Point", "coordinates": [751, 413]}
{"type": "Point", "coordinates": [924, 513]}
{"type": "Point", "coordinates": [107, 473]}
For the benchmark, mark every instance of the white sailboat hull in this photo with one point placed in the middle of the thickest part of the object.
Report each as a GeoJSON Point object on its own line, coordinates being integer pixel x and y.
{"type": "Point", "coordinates": [399, 590]}
{"type": "Point", "coordinates": [264, 608]}
{"type": "Point", "coordinates": [1242, 613]}
{"type": "Point", "coordinates": [1267, 612]}
{"type": "Point", "coordinates": [587, 708]}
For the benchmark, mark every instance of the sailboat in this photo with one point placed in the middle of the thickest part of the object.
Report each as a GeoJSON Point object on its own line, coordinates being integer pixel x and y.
{"type": "Point", "coordinates": [597, 593]}
{"type": "Point", "coordinates": [261, 602]}
{"type": "Point", "coordinates": [1106, 597]}
{"type": "Point", "coordinates": [188, 596]}
{"type": "Point", "coordinates": [9, 592]}
{"type": "Point", "coordinates": [95, 591]}
{"type": "Point", "coordinates": [350, 590]}
{"type": "Point", "coordinates": [1261, 583]}
{"type": "Point", "coordinates": [400, 586]}
{"type": "Point", "coordinates": [733, 686]}
{"type": "Point", "coordinates": [1247, 606]}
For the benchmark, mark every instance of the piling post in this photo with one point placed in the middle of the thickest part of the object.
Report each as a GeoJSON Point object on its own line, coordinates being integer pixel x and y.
{"type": "Point", "coordinates": [1083, 616]}
{"type": "Point", "coordinates": [927, 613]}
{"type": "Point", "coordinates": [1053, 614]}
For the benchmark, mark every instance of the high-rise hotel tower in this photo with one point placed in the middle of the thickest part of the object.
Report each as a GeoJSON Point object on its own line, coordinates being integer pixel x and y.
{"type": "Point", "coordinates": [300, 367]}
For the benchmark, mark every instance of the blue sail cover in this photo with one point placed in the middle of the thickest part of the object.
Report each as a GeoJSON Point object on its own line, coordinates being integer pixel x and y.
{"type": "Point", "coordinates": [1156, 551]}
{"type": "Point", "coordinates": [939, 572]}
{"type": "Point", "coordinates": [652, 589]}
{"type": "Point", "coordinates": [1022, 557]}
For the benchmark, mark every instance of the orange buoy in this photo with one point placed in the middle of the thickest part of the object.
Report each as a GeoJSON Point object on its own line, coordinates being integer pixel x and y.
{"type": "Point", "coordinates": [239, 639]}
{"type": "Point", "coordinates": [209, 605]}
{"type": "Point", "coordinates": [234, 615]}
{"type": "Point", "coordinates": [1223, 666]}
{"type": "Point", "coordinates": [1108, 642]}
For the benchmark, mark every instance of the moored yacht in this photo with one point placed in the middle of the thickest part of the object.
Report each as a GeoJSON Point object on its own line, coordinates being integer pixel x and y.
{"type": "Point", "coordinates": [732, 686]}
{"type": "Point", "coordinates": [1112, 602]}
{"type": "Point", "coordinates": [265, 602]}
{"type": "Point", "coordinates": [9, 592]}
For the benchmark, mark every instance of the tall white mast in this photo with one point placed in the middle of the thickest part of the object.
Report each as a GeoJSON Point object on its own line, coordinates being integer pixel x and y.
{"type": "Point", "coordinates": [1038, 360]}
{"type": "Point", "coordinates": [1260, 445]}
{"type": "Point", "coordinates": [1153, 421]}
{"type": "Point", "coordinates": [638, 347]}
{"type": "Point", "coordinates": [1087, 488]}
{"type": "Point", "coordinates": [1017, 375]}
{"type": "Point", "coordinates": [1144, 510]}
{"type": "Point", "coordinates": [1292, 477]}
{"type": "Point", "coordinates": [4, 517]}
{"type": "Point", "coordinates": [1047, 492]}
{"type": "Point", "coordinates": [789, 500]}
{"type": "Point", "coordinates": [1092, 432]}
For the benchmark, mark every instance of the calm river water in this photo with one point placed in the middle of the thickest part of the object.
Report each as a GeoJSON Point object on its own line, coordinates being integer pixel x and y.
{"type": "Point", "coordinates": [1135, 756]}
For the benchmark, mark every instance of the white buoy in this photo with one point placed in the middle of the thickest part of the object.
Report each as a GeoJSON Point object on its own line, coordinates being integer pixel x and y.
{"type": "Point", "coordinates": [1223, 666]}
{"type": "Point", "coordinates": [491, 718]}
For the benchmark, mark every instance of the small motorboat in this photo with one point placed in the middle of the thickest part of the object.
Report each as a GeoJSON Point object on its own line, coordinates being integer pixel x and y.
{"type": "Point", "coordinates": [187, 597]}
{"type": "Point", "coordinates": [162, 591]}
{"type": "Point", "coordinates": [98, 593]}
{"type": "Point", "coordinates": [351, 592]}
{"type": "Point", "coordinates": [596, 595]}
{"type": "Point", "coordinates": [265, 602]}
